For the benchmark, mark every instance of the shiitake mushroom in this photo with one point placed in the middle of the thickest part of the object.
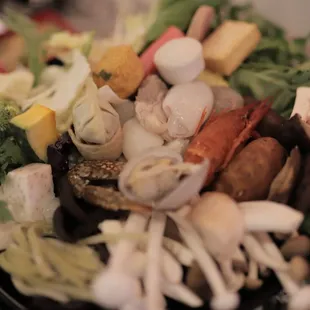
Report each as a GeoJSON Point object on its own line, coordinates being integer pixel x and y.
{"type": "Point", "coordinates": [290, 133]}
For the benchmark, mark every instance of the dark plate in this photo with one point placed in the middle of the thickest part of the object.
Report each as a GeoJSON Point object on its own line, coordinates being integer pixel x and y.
{"type": "Point", "coordinates": [11, 299]}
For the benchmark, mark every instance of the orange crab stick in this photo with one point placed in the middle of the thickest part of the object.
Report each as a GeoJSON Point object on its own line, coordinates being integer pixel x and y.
{"type": "Point", "coordinates": [147, 56]}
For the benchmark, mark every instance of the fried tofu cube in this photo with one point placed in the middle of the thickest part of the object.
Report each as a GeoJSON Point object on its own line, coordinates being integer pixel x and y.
{"type": "Point", "coordinates": [229, 45]}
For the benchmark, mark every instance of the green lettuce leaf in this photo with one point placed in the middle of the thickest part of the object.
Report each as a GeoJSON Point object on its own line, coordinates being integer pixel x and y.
{"type": "Point", "coordinates": [176, 13]}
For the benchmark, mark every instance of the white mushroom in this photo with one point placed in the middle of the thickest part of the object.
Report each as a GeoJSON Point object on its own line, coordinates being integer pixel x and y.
{"type": "Point", "coordinates": [220, 223]}
{"type": "Point", "coordinates": [299, 269]}
{"type": "Point", "coordinates": [235, 280]}
{"type": "Point", "coordinates": [299, 245]}
{"type": "Point", "coordinates": [239, 259]}
{"type": "Point", "coordinates": [171, 269]}
{"type": "Point", "coordinates": [261, 215]}
{"type": "Point", "coordinates": [154, 298]}
{"type": "Point", "coordinates": [223, 299]}
{"type": "Point", "coordinates": [114, 286]}
{"type": "Point", "coordinates": [264, 271]}
{"type": "Point", "coordinates": [136, 304]}
{"type": "Point", "coordinates": [257, 253]}
{"type": "Point", "coordinates": [181, 293]}
{"type": "Point", "coordinates": [252, 281]}
{"type": "Point", "coordinates": [299, 294]}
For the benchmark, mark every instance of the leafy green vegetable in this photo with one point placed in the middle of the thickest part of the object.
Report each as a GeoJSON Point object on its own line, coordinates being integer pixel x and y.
{"type": "Point", "coordinates": [261, 80]}
{"type": "Point", "coordinates": [11, 157]}
{"type": "Point", "coordinates": [33, 38]}
{"type": "Point", "coordinates": [176, 13]}
{"type": "Point", "coordinates": [274, 68]}
{"type": "Point", "coordinates": [8, 109]}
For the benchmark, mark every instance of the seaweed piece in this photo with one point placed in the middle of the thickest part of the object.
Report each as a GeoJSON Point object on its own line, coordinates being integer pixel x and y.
{"type": "Point", "coordinates": [62, 225]}
{"type": "Point", "coordinates": [68, 200]}
{"type": "Point", "coordinates": [289, 133]}
{"type": "Point", "coordinates": [61, 155]}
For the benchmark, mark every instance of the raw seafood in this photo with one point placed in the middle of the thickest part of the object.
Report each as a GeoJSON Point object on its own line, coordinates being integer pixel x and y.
{"type": "Point", "coordinates": [220, 137]}
{"type": "Point", "coordinates": [160, 179]}
{"type": "Point", "coordinates": [148, 105]}
{"type": "Point", "coordinates": [187, 106]}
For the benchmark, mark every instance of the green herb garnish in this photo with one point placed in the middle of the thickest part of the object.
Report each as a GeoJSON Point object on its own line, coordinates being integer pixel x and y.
{"type": "Point", "coordinates": [11, 157]}
{"type": "Point", "coordinates": [105, 75]}
{"type": "Point", "coordinates": [33, 37]}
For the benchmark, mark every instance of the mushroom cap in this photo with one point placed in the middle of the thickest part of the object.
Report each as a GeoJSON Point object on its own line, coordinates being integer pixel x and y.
{"type": "Point", "coordinates": [114, 290]}
{"type": "Point", "coordinates": [220, 223]}
{"type": "Point", "coordinates": [301, 300]}
{"type": "Point", "coordinates": [226, 301]}
{"type": "Point", "coordinates": [299, 245]}
{"type": "Point", "coordinates": [299, 269]}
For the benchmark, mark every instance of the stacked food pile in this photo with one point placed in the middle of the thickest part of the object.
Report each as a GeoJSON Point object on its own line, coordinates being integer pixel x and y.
{"type": "Point", "coordinates": [179, 169]}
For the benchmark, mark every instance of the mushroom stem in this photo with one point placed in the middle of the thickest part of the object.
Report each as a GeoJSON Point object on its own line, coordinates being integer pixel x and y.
{"type": "Point", "coordinates": [184, 211]}
{"type": "Point", "coordinates": [256, 252]}
{"type": "Point", "coordinates": [239, 260]}
{"type": "Point", "coordinates": [181, 293]}
{"type": "Point", "coordinates": [299, 269]}
{"type": "Point", "coordinates": [171, 268]}
{"type": "Point", "coordinates": [299, 295]}
{"type": "Point", "coordinates": [114, 287]}
{"type": "Point", "coordinates": [252, 280]}
{"type": "Point", "coordinates": [263, 271]}
{"type": "Point", "coordinates": [260, 215]}
{"type": "Point", "coordinates": [235, 281]}
{"type": "Point", "coordinates": [239, 256]}
{"type": "Point", "coordinates": [154, 297]}
{"type": "Point", "coordinates": [223, 299]}
{"type": "Point", "coordinates": [136, 223]}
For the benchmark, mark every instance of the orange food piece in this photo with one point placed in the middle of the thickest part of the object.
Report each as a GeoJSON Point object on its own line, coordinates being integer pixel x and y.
{"type": "Point", "coordinates": [121, 69]}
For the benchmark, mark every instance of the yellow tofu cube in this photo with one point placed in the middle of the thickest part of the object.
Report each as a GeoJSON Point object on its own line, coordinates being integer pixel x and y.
{"type": "Point", "coordinates": [229, 45]}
